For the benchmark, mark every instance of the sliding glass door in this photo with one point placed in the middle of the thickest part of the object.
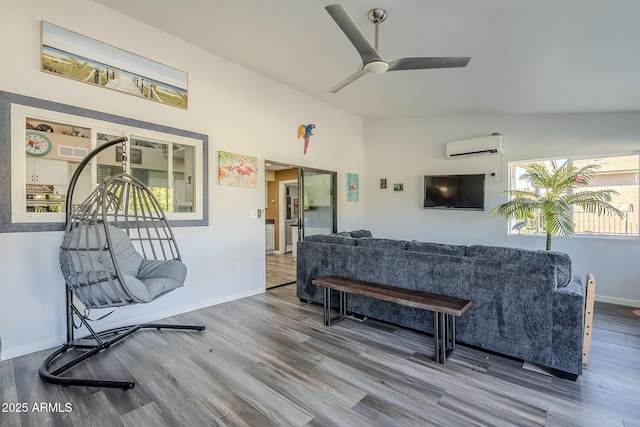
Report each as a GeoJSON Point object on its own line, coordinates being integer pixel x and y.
{"type": "Point", "coordinates": [318, 199]}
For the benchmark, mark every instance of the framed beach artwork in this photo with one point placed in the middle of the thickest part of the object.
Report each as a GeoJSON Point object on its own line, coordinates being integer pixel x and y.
{"type": "Point", "coordinates": [68, 54]}
{"type": "Point", "coordinates": [353, 187]}
{"type": "Point", "coordinates": [237, 170]}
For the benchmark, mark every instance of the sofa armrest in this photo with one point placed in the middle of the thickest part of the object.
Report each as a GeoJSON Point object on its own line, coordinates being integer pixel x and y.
{"type": "Point", "coordinates": [574, 287]}
{"type": "Point", "coordinates": [568, 326]}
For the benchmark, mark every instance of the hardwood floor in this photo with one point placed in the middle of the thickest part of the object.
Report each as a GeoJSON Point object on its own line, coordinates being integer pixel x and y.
{"type": "Point", "coordinates": [281, 269]}
{"type": "Point", "coordinates": [268, 360]}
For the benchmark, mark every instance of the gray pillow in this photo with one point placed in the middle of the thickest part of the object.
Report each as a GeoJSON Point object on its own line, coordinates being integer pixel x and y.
{"type": "Point", "coordinates": [361, 233]}
{"type": "Point", "coordinates": [378, 242]}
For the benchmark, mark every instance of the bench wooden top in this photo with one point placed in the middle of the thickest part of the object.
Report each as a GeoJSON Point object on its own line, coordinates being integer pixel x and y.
{"type": "Point", "coordinates": [408, 297]}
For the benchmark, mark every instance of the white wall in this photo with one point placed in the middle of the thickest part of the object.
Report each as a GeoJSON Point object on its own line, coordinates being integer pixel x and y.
{"type": "Point", "coordinates": [404, 150]}
{"type": "Point", "coordinates": [241, 112]}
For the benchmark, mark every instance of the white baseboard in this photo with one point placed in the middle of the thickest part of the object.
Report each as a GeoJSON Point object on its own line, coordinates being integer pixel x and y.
{"type": "Point", "coordinates": [618, 301]}
{"type": "Point", "coordinates": [10, 353]}
{"type": "Point", "coordinates": [50, 343]}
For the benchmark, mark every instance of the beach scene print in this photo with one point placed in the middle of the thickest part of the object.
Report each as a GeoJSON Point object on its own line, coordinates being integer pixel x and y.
{"type": "Point", "coordinates": [81, 58]}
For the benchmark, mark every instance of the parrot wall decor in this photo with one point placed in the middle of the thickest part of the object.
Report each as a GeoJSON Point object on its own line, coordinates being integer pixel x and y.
{"type": "Point", "coordinates": [304, 131]}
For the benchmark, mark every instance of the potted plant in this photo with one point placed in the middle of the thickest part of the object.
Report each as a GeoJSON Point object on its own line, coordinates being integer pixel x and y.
{"type": "Point", "coordinates": [552, 194]}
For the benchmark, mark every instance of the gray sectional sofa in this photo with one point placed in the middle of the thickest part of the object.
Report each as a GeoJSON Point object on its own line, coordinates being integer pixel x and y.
{"type": "Point", "coordinates": [525, 304]}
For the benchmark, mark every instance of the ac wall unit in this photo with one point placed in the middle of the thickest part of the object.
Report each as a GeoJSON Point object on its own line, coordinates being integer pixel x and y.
{"type": "Point", "coordinates": [469, 147]}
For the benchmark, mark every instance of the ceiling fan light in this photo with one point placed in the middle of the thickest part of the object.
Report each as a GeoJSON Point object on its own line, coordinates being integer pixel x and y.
{"type": "Point", "coordinates": [376, 67]}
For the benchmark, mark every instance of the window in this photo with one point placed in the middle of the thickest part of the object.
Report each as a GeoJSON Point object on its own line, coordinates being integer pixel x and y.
{"type": "Point", "coordinates": [47, 146]}
{"type": "Point", "coordinates": [618, 173]}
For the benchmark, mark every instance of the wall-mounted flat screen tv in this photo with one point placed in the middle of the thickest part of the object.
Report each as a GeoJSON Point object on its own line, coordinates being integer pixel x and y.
{"type": "Point", "coordinates": [454, 192]}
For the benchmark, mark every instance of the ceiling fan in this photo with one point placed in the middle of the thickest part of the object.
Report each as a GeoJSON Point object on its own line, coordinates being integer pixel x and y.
{"type": "Point", "coordinates": [372, 61]}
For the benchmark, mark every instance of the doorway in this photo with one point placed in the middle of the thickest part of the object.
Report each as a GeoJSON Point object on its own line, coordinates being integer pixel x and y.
{"type": "Point", "coordinates": [288, 215]}
{"type": "Point", "coordinates": [318, 215]}
{"type": "Point", "coordinates": [299, 202]}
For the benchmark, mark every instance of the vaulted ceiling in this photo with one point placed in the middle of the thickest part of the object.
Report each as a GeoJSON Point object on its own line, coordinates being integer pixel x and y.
{"type": "Point", "coordinates": [543, 56]}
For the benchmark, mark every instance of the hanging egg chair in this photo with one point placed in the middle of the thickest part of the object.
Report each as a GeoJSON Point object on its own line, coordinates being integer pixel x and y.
{"type": "Point", "coordinates": [117, 250]}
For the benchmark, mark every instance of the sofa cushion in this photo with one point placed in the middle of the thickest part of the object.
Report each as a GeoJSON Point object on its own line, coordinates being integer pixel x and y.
{"type": "Point", "coordinates": [378, 242]}
{"type": "Point", "coordinates": [560, 260]}
{"type": "Point", "coordinates": [436, 248]}
{"type": "Point", "coordinates": [331, 238]}
{"type": "Point", "coordinates": [361, 233]}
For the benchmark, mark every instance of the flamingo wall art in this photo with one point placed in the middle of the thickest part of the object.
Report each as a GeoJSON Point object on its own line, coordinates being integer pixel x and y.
{"type": "Point", "coordinates": [237, 170]}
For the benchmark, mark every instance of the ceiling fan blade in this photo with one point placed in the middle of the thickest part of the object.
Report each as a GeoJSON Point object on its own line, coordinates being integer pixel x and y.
{"type": "Point", "coordinates": [353, 77]}
{"type": "Point", "coordinates": [428, 62]}
{"type": "Point", "coordinates": [365, 49]}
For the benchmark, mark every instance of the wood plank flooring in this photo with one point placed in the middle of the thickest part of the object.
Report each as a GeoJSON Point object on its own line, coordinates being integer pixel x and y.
{"type": "Point", "coordinates": [267, 360]}
{"type": "Point", "coordinates": [281, 269]}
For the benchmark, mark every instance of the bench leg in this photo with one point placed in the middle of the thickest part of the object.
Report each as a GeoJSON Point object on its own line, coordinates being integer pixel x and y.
{"type": "Point", "coordinates": [444, 334]}
{"type": "Point", "coordinates": [343, 304]}
{"type": "Point", "coordinates": [326, 306]}
{"type": "Point", "coordinates": [437, 334]}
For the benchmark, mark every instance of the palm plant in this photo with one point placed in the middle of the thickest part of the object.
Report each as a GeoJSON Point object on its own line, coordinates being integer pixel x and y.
{"type": "Point", "coordinates": [552, 195]}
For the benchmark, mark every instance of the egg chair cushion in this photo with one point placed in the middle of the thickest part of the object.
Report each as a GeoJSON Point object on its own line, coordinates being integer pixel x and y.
{"type": "Point", "coordinates": [160, 277]}
{"type": "Point", "coordinates": [128, 259]}
{"type": "Point", "coordinates": [111, 293]}
{"type": "Point", "coordinates": [92, 275]}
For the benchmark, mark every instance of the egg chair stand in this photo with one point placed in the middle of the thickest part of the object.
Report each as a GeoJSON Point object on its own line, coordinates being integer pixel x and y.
{"type": "Point", "coordinates": [117, 250]}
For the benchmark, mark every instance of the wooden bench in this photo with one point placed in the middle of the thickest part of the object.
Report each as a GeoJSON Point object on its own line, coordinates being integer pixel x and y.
{"type": "Point", "coordinates": [445, 308]}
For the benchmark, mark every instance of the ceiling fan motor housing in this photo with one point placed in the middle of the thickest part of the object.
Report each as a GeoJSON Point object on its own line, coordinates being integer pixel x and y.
{"type": "Point", "coordinates": [376, 67]}
{"type": "Point", "coordinates": [377, 15]}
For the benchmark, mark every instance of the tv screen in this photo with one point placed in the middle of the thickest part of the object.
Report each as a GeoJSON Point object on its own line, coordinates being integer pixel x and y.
{"type": "Point", "coordinates": [454, 192]}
